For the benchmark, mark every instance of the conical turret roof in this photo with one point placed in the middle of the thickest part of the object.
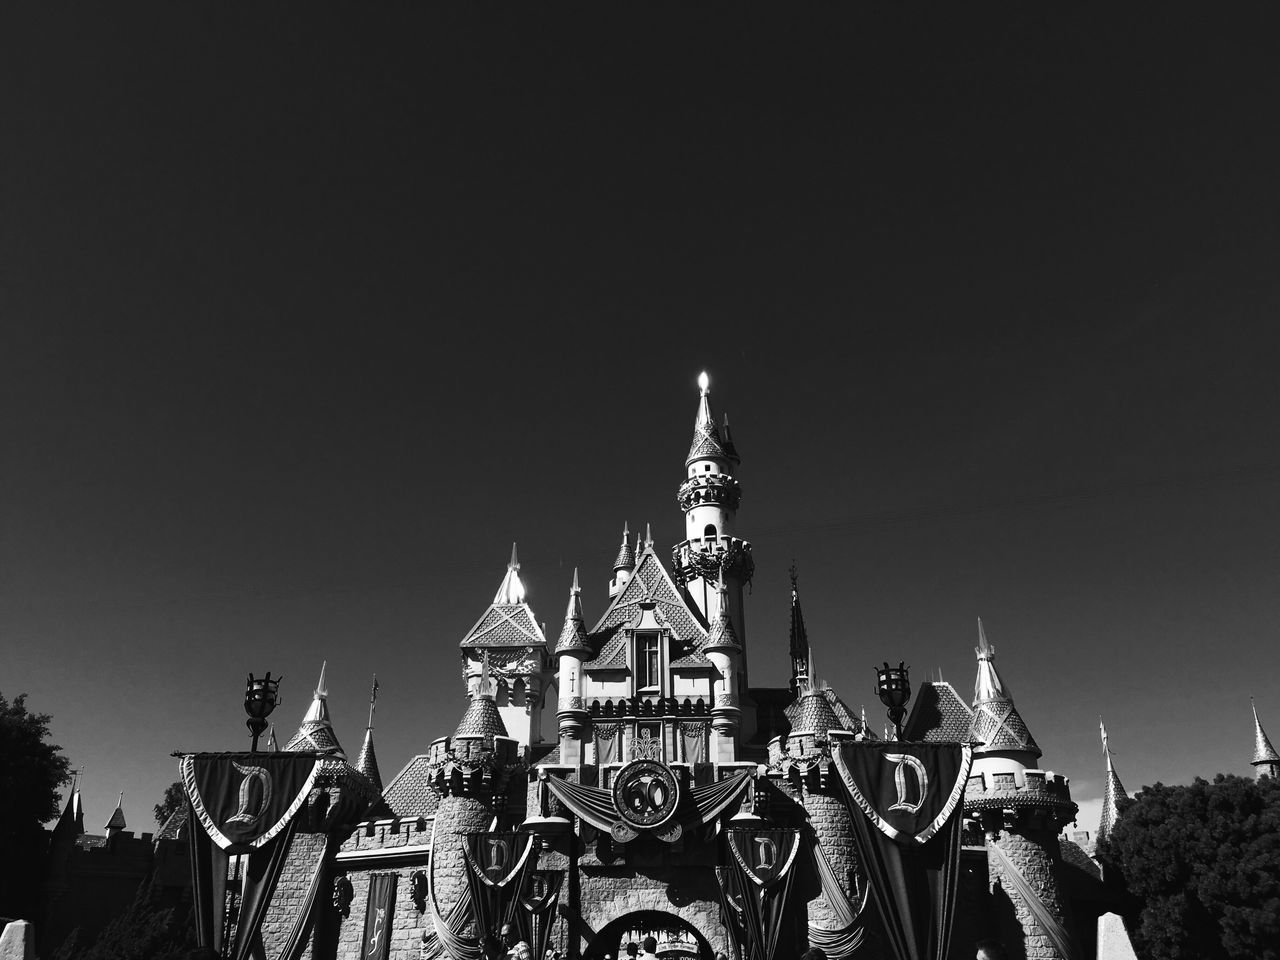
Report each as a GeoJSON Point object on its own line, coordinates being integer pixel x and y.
{"type": "Point", "coordinates": [813, 713]}
{"type": "Point", "coordinates": [707, 444]}
{"type": "Point", "coordinates": [723, 636]}
{"type": "Point", "coordinates": [316, 732]}
{"type": "Point", "coordinates": [799, 636]}
{"type": "Point", "coordinates": [996, 726]}
{"type": "Point", "coordinates": [573, 635]}
{"type": "Point", "coordinates": [1263, 751]}
{"type": "Point", "coordinates": [117, 821]}
{"type": "Point", "coordinates": [509, 621]}
{"type": "Point", "coordinates": [1113, 790]}
{"type": "Point", "coordinates": [367, 762]}
{"type": "Point", "coordinates": [626, 559]}
{"type": "Point", "coordinates": [481, 719]}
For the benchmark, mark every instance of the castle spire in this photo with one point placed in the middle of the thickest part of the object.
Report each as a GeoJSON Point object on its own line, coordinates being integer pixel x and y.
{"type": "Point", "coordinates": [1113, 791]}
{"type": "Point", "coordinates": [723, 636]}
{"type": "Point", "coordinates": [316, 732]}
{"type": "Point", "coordinates": [367, 762]}
{"type": "Point", "coordinates": [117, 822]}
{"type": "Point", "coordinates": [573, 635]}
{"type": "Point", "coordinates": [273, 745]}
{"type": "Point", "coordinates": [1266, 762]}
{"type": "Point", "coordinates": [800, 653]}
{"type": "Point", "coordinates": [706, 443]}
{"type": "Point", "coordinates": [626, 559]}
{"type": "Point", "coordinates": [996, 725]}
{"type": "Point", "coordinates": [512, 588]}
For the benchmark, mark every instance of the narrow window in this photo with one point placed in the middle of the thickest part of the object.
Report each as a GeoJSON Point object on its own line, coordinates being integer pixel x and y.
{"type": "Point", "coordinates": [647, 676]}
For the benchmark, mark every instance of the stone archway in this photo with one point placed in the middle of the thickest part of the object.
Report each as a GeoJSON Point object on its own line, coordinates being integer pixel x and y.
{"type": "Point", "coordinates": [612, 938]}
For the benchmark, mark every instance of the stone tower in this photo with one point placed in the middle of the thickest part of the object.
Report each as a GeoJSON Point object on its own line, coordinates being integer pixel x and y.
{"type": "Point", "coordinates": [1022, 809]}
{"type": "Point", "coordinates": [1266, 762]}
{"type": "Point", "coordinates": [709, 497]}
{"type": "Point", "coordinates": [507, 636]}
{"type": "Point", "coordinates": [571, 649]}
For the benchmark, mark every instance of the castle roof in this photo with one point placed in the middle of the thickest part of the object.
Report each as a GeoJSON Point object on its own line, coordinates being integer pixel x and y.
{"type": "Point", "coordinates": [409, 794]}
{"type": "Point", "coordinates": [316, 732]}
{"type": "Point", "coordinates": [481, 719]}
{"type": "Point", "coordinates": [117, 821]}
{"type": "Point", "coordinates": [649, 585]}
{"type": "Point", "coordinates": [508, 621]}
{"type": "Point", "coordinates": [1112, 792]}
{"type": "Point", "coordinates": [1263, 751]}
{"type": "Point", "coordinates": [367, 761]}
{"type": "Point", "coordinates": [707, 444]}
{"type": "Point", "coordinates": [997, 726]}
{"type": "Point", "coordinates": [799, 636]}
{"type": "Point", "coordinates": [812, 713]}
{"type": "Point", "coordinates": [172, 828]}
{"type": "Point", "coordinates": [723, 636]}
{"type": "Point", "coordinates": [938, 715]}
{"type": "Point", "coordinates": [573, 635]}
{"type": "Point", "coordinates": [626, 558]}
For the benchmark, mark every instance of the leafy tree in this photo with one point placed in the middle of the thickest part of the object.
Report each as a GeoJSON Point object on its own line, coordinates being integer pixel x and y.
{"type": "Point", "coordinates": [145, 931]}
{"type": "Point", "coordinates": [1204, 862]}
{"type": "Point", "coordinates": [174, 797]}
{"type": "Point", "coordinates": [31, 771]}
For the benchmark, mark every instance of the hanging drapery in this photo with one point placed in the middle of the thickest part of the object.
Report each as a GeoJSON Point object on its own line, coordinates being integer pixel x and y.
{"type": "Point", "coordinates": [693, 733]}
{"type": "Point", "coordinates": [448, 939]}
{"type": "Point", "coordinates": [764, 857]}
{"type": "Point", "coordinates": [498, 866]}
{"type": "Point", "coordinates": [606, 736]}
{"type": "Point", "coordinates": [842, 940]}
{"type": "Point", "coordinates": [379, 916]}
{"type": "Point", "coordinates": [537, 910]}
{"type": "Point", "coordinates": [698, 806]}
{"type": "Point", "coordinates": [732, 909]}
{"type": "Point", "coordinates": [909, 795]}
{"type": "Point", "coordinates": [1044, 917]}
{"type": "Point", "coordinates": [311, 904]}
{"type": "Point", "coordinates": [241, 803]}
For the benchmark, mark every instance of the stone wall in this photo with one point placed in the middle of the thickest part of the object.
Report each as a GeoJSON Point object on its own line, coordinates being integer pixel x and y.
{"type": "Point", "coordinates": [609, 892]}
{"type": "Point", "coordinates": [1035, 853]}
{"type": "Point", "coordinates": [291, 891]}
{"type": "Point", "coordinates": [830, 818]}
{"type": "Point", "coordinates": [455, 815]}
{"type": "Point", "coordinates": [359, 859]}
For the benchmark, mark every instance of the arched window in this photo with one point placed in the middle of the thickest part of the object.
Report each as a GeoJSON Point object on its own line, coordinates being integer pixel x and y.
{"type": "Point", "coordinates": [710, 531]}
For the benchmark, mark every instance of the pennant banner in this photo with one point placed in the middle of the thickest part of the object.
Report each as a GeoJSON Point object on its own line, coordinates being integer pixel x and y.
{"type": "Point", "coordinates": [538, 909]}
{"type": "Point", "coordinates": [909, 835]}
{"type": "Point", "coordinates": [378, 917]}
{"type": "Point", "coordinates": [244, 800]}
{"type": "Point", "coordinates": [498, 865]}
{"type": "Point", "coordinates": [758, 898]}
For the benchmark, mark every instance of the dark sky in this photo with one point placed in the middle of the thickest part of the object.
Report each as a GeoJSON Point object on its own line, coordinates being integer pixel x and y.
{"type": "Point", "coordinates": [308, 311]}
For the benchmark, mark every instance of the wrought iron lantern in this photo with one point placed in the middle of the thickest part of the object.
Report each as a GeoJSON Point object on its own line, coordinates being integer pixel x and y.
{"type": "Point", "coordinates": [893, 687]}
{"type": "Point", "coordinates": [261, 695]}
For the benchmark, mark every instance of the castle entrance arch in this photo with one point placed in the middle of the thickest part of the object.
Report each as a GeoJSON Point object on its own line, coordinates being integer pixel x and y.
{"type": "Point", "coordinates": [677, 939]}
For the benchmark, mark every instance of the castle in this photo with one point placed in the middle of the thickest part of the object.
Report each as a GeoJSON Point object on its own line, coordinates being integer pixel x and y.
{"type": "Point", "coordinates": [662, 676]}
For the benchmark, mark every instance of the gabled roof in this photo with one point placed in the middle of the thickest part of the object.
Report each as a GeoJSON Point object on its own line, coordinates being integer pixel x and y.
{"type": "Point", "coordinates": [508, 622]}
{"type": "Point", "coordinates": [649, 584]}
{"type": "Point", "coordinates": [938, 715]}
{"type": "Point", "coordinates": [409, 794]}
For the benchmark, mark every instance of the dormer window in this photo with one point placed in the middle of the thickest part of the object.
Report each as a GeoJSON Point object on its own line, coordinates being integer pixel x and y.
{"type": "Point", "coordinates": [648, 675]}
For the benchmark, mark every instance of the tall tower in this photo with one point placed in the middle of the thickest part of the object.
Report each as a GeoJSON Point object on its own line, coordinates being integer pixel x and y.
{"type": "Point", "coordinates": [1022, 808]}
{"type": "Point", "coordinates": [709, 497]}
{"type": "Point", "coordinates": [1266, 762]}
{"type": "Point", "coordinates": [1112, 793]}
{"type": "Point", "coordinates": [799, 638]}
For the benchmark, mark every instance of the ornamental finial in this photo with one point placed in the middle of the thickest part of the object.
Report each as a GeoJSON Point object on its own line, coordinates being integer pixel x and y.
{"type": "Point", "coordinates": [704, 383]}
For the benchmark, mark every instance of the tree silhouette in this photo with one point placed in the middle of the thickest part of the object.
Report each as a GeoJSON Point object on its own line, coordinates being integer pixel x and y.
{"type": "Point", "coordinates": [31, 771]}
{"type": "Point", "coordinates": [1204, 861]}
{"type": "Point", "coordinates": [174, 798]}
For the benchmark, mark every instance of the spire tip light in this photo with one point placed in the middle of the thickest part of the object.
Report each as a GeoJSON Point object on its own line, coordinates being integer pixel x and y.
{"type": "Point", "coordinates": [704, 383]}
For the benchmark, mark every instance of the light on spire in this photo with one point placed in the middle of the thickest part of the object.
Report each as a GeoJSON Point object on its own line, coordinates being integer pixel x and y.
{"type": "Point", "coordinates": [704, 383]}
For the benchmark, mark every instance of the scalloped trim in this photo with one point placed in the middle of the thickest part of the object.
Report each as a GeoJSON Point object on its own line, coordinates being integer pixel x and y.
{"type": "Point", "coordinates": [187, 767]}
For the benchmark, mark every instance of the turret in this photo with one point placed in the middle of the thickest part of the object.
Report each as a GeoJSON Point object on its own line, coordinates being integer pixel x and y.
{"type": "Point", "coordinates": [367, 762]}
{"type": "Point", "coordinates": [571, 650]}
{"type": "Point", "coordinates": [116, 823]}
{"type": "Point", "coordinates": [725, 653]}
{"type": "Point", "coordinates": [1021, 809]}
{"type": "Point", "coordinates": [1112, 792]}
{"type": "Point", "coordinates": [623, 565]}
{"type": "Point", "coordinates": [709, 497]}
{"type": "Point", "coordinates": [1266, 762]}
{"type": "Point", "coordinates": [509, 630]}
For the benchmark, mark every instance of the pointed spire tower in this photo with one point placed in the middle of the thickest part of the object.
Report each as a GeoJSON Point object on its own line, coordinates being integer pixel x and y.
{"type": "Point", "coordinates": [1113, 791]}
{"type": "Point", "coordinates": [316, 732]}
{"type": "Point", "coordinates": [623, 565]}
{"type": "Point", "coordinates": [572, 650]}
{"type": "Point", "coordinates": [997, 727]}
{"type": "Point", "coordinates": [800, 654]}
{"type": "Point", "coordinates": [116, 823]}
{"type": "Point", "coordinates": [509, 630]}
{"type": "Point", "coordinates": [273, 745]}
{"type": "Point", "coordinates": [709, 497]}
{"type": "Point", "coordinates": [367, 762]}
{"type": "Point", "coordinates": [1266, 762]}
